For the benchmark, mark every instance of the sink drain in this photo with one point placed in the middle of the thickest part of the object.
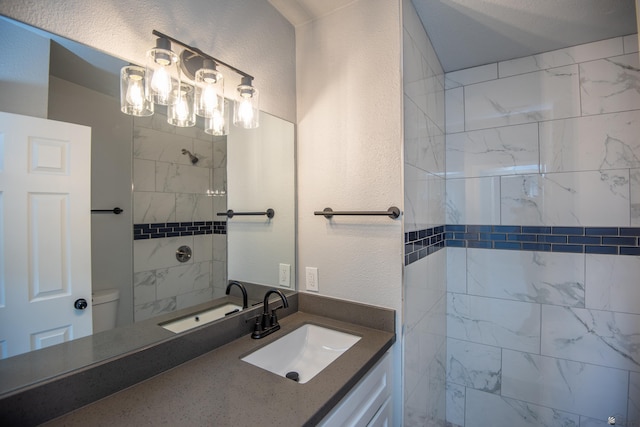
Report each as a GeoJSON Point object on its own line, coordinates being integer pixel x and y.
{"type": "Point", "coordinates": [293, 375]}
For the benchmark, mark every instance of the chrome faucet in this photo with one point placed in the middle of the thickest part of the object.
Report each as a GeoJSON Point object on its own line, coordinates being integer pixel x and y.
{"type": "Point", "coordinates": [245, 300]}
{"type": "Point", "coordinates": [267, 323]}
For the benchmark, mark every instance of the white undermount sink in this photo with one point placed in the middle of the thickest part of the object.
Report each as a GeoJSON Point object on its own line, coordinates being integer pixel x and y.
{"type": "Point", "coordinates": [305, 351]}
{"type": "Point", "coordinates": [201, 318]}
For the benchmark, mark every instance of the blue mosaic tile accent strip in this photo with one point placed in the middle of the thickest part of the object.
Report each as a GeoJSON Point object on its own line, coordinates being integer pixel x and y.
{"type": "Point", "coordinates": [175, 229]}
{"type": "Point", "coordinates": [419, 244]}
{"type": "Point", "coordinates": [580, 240]}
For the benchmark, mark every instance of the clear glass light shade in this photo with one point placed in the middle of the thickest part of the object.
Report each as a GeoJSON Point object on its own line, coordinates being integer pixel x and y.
{"type": "Point", "coordinates": [246, 107]}
{"type": "Point", "coordinates": [132, 96]}
{"type": "Point", "coordinates": [182, 113]}
{"type": "Point", "coordinates": [162, 75]}
{"type": "Point", "coordinates": [218, 122]}
{"type": "Point", "coordinates": [209, 93]}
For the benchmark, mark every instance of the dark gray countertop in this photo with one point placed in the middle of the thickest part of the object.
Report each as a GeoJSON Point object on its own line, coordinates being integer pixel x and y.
{"type": "Point", "coordinates": [219, 389]}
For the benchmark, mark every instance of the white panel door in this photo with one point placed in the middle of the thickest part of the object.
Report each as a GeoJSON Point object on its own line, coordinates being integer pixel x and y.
{"type": "Point", "coordinates": [45, 232]}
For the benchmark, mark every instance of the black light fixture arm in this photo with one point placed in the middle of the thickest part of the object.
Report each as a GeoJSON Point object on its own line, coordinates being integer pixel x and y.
{"type": "Point", "coordinates": [204, 55]}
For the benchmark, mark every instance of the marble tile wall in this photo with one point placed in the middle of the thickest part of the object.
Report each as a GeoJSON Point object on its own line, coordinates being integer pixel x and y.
{"type": "Point", "coordinates": [169, 189]}
{"type": "Point", "coordinates": [424, 323]}
{"type": "Point", "coordinates": [546, 141]}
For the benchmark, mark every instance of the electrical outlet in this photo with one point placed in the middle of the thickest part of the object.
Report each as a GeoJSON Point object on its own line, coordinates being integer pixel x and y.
{"type": "Point", "coordinates": [312, 279]}
{"type": "Point", "coordinates": [285, 275]}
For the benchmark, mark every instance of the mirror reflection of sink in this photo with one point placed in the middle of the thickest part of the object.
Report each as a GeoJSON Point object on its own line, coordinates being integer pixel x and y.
{"type": "Point", "coordinates": [201, 318]}
{"type": "Point", "coordinates": [305, 351]}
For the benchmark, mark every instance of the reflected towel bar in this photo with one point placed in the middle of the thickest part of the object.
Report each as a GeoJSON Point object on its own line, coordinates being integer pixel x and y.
{"type": "Point", "coordinates": [230, 213]}
{"type": "Point", "coordinates": [393, 212]}
{"type": "Point", "coordinates": [116, 211]}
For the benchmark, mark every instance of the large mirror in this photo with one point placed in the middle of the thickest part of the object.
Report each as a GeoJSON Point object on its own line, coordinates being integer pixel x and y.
{"type": "Point", "coordinates": [173, 185]}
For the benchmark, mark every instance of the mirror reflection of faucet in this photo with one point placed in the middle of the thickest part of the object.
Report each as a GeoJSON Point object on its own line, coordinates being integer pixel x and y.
{"type": "Point", "coordinates": [245, 300]}
{"type": "Point", "coordinates": [268, 323]}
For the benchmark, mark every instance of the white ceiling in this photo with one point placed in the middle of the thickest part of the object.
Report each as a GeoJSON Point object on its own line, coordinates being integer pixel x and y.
{"type": "Point", "coordinates": [468, 33]}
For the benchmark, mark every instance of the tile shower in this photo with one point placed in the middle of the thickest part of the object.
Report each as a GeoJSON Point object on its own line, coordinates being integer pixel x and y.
{"type": "Point", "coordinates": [424, 293]}
{"type": "Point", "coordinates": [541, 224]}
{"type": "Point", "coordinates": [175, 203]}
{"type": "Point", "coordinates": [544, 329]}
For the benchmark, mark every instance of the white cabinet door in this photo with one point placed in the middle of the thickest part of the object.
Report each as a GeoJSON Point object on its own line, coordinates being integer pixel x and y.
{"type": "Point", "coordinates": [45, 232]}
{"type": "Point", "coordinates": [384, 417]}
{"type": "Point", "coordinates": [362, 404]}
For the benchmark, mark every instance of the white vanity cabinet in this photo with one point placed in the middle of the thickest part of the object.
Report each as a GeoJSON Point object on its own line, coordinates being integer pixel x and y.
{"type": "Point", "coordinates": [369, 402]}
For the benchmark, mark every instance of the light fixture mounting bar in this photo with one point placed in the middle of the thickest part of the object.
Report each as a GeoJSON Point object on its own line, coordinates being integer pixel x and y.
{"type": "Point", "coordinates": [201, 53]}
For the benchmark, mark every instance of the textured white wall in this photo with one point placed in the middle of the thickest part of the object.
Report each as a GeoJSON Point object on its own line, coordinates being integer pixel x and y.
{"type": "Point", "coordinates": [350, 151]}
{"type": "Point", "coordinates": [249, 34]}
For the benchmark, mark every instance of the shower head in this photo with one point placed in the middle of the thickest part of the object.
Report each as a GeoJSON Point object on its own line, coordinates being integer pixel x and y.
{"type": "Point", "coordinates": [193, 158]}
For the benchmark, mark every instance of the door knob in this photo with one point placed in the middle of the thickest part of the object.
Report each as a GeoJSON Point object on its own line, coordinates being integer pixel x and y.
{"type": "Point", "coordinates": [80, 304]}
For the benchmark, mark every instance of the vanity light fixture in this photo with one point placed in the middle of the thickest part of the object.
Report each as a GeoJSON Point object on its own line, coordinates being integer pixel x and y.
{"type": "Point", "coordinates": [132, 93]}
{"type": "Point", "coordinates": [208, 88]}
{"type": "Point", "coordinates": [246, 108]}
{"type": "Point", "coordinates": [181, 112]}
{"type": "Point", "coordinates": [210, 102]}
{"type": "Point", "coordinates": [189, 84]}
{"type": "Point", "coordinates": [217, 123]}
{"type": "Point", "coordinates": [162, 73]}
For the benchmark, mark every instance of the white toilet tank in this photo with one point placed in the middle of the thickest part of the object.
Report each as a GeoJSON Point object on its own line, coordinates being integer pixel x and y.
{"type": "Point", "coordinates": [105, 309]}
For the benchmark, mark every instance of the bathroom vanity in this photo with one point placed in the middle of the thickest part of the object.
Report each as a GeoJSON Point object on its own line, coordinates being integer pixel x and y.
{"type": "Point", "coordinates": [218, 388]}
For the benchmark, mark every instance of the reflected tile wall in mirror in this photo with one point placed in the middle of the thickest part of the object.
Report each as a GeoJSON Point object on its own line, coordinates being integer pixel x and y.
{"type": "Point", "coordinates": [173, 206]}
